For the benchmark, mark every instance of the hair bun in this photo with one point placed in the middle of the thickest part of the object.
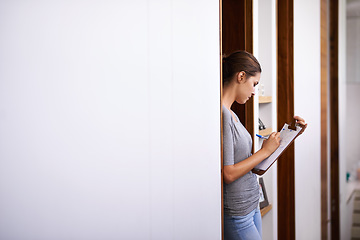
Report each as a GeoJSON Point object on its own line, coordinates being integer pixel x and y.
{"type": "Point", "coordinates": [239, 61]}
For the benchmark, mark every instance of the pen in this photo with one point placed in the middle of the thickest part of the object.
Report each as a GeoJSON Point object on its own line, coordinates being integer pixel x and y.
{"type": "Point", "coordinates": [262, 137]}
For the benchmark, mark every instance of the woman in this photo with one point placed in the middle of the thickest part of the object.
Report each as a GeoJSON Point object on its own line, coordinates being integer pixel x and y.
{"type": "Point", "coordinates": [242, 218]}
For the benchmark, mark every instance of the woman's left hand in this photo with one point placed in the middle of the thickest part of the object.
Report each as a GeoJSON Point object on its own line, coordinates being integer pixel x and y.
{"type": "Point", "coordinates": [300, 121]}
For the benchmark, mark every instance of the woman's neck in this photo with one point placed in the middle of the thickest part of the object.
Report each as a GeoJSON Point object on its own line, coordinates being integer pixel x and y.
{"type": "Point", "coordinates": [228, 96]}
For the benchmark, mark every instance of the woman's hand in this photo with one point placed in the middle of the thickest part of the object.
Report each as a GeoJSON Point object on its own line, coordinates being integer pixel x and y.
{"type": "Point", "coordinates": [300, 121]}
{"type": "Point", "coordinates": [272, 143]}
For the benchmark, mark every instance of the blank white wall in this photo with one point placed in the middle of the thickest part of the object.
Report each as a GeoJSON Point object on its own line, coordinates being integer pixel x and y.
{"type": "Point", "coordinates": [344, 234]}
{"type": "Point", "coordinates": [352, 87]}
{"type": "Point", "coordinates": [307, 105]}
{"type": "Point", "coordinates": [109, 120]}
{"type": "Point", "coordinates": [353, 42]}
{"type": "Point", "coordinates": [352, 115]}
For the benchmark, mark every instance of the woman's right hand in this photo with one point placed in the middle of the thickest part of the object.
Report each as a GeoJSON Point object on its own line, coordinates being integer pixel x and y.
{"type": "Point", "coordinates": [272, 143]}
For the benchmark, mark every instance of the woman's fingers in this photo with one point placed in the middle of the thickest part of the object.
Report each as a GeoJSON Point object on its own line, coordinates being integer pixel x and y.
{"type": "Point", "coordinates": [275, 135]}
{"type": "Point", "coordinates": [272, 143]}
{"type": "Point", "coordinates": [299, 118]}
{"type": "Point", "coordinates": [301, 121]}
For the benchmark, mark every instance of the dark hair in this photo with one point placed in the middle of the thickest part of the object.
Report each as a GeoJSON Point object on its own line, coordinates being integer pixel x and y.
{"type": "Point", "coordinates": [239, 61]}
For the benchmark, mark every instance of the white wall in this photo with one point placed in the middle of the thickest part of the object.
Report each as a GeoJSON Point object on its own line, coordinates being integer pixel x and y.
{"type": "Point", "coordinates": [353, 131]}
{"type": "Point", "coordinates": [353, 41]}
{"type": "Point", "coordinates": [109, 120]}
{"type": "Point", "coordinates": [307, 105]}
{"type": "Point", "coordinates": [352, 150]}
{"type": "Point", "coordinates": [352, 86]}
{"type": "Point", "coordinates": [344, 234]}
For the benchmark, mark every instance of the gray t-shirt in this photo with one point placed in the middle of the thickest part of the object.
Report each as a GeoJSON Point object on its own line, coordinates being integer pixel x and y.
{"type": "Point", "coordinates": [242, 195]}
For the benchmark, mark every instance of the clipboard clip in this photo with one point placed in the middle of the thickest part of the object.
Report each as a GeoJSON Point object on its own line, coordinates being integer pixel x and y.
{"type": "Point", "coordinates": [292, 125]}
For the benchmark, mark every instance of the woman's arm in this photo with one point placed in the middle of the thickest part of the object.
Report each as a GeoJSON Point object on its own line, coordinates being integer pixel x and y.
{"type": "Point", "coordinates": [235, 171]}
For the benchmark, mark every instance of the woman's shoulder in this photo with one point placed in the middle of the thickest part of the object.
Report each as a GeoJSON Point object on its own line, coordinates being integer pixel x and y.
{"type": "Point", "coordinates": [226, 114]}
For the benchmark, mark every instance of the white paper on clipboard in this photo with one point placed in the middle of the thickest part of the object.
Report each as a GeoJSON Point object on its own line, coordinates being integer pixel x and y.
{"type": "Point", "coordinates": [286, 137]}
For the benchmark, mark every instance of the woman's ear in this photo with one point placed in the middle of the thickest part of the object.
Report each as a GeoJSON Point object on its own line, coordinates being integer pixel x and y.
{"type": "Point", "coordinates": [241, 76]}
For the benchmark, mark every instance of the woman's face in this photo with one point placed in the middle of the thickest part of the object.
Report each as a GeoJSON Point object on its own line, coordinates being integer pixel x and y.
{"type": "Point", "coordinates": [246, 87]}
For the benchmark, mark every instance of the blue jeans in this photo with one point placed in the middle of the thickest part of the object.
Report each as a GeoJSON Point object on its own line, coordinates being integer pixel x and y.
{"type": "Point", "coordinates": [246, 227]}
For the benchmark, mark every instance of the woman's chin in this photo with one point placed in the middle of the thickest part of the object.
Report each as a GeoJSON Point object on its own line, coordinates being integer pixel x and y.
{"type": "Point", "coordinates": [242, 101]}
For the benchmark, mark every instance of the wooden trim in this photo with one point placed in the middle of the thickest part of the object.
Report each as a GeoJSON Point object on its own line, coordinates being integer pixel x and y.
{"type": "Point", "coordinates": [266, 131]}
{"type": "Point", "coordinates": [248, 13]}
{"type": "Point", "coordinates": [233, 38]}
{"type": "Point", "coordinates": [265, 99]}
{"type": "Point", "coordinates": [237, 33]}
{"type": "Point", "coordinates": [334, 117]}
{"type": "Point", "coordinates": [324, 117]}
{"type": "Point", "coordinates": [233, 29]}
{"type": "Point", "coordinates": [286, 163]}
{"type": "Point", "coordinates": [265, 210]}
{"type": "Point", "coordinates": [249, 106]}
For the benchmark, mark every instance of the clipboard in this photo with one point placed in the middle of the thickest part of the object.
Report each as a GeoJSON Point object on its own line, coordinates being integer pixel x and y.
{"type": "Point", "coordinates": [288, 134]}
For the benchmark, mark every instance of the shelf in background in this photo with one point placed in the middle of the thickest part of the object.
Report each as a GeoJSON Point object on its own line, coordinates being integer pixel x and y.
{"type": "Point", "coordinates": [265, 132]}
{"type": "Point", "coordinates": [265, 210]}
{"type": "Point", "coordinates": [265, 99]}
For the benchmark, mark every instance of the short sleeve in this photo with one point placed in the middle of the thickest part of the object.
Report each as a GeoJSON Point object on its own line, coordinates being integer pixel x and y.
{"type": "Point", "coordinates": [228, 142]}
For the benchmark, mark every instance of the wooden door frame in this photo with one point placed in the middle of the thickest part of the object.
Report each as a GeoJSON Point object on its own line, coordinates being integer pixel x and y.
{"type": "Point", "coordinates": [334, 117]}
{"type": "Point", "coordinates": [285, 96]}
{"type": "Point", "coordinates": [324, 51]}
{"type": "Point", "coordinates": [237, 34]}
{"type": "Point", "coordinates": [330, 110]}
{"type": "Point", "coordinates": [286, 169]}
{"type": "Point", "coordinates": [329, 64]}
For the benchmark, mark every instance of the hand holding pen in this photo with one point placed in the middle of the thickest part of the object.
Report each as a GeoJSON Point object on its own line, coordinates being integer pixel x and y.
{"type": "Point", "coordinates": [271, 143]}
